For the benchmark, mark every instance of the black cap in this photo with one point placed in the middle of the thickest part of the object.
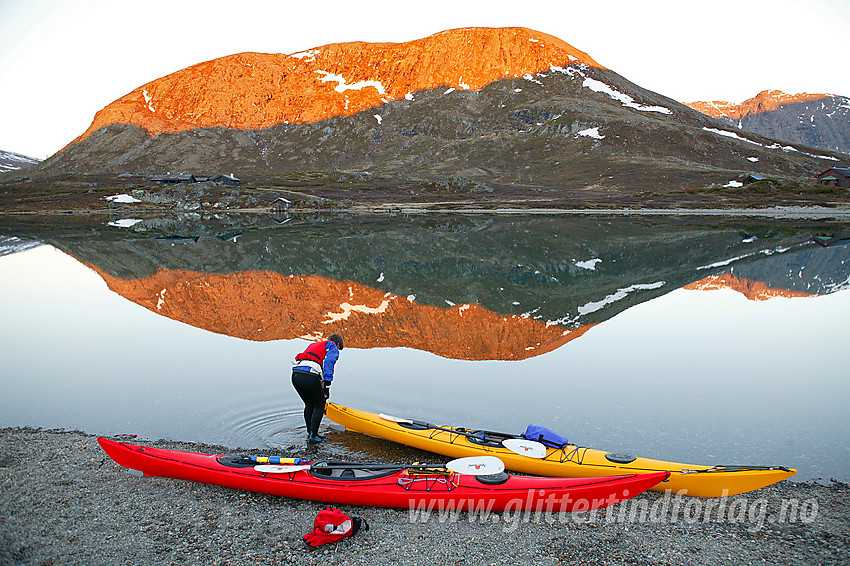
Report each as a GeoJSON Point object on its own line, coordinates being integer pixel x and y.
{"type": "Point", "coordinates": [336, 339]}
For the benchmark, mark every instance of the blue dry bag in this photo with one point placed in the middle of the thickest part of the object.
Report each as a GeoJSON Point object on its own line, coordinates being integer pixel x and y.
{"type": "Point", "coordinates": [545, 436]}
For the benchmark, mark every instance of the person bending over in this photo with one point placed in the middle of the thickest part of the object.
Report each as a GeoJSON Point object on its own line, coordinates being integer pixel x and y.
{"type": "Point", "coordinates": [312, 375]}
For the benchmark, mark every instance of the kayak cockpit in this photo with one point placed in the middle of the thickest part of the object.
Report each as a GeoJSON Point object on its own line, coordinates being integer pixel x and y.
{"type": "Point", "coordinates": [347, 471]}
{"type": "Point", "coordinates": [488, 437]}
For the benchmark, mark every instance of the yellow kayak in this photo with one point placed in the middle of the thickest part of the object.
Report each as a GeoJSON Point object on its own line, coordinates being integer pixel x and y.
{"type": "Point", "coordinates": [570, 461]}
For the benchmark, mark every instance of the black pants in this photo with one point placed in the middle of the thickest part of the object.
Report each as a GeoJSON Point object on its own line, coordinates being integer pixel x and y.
{"type": "Point", "coordinates": [309, 387]}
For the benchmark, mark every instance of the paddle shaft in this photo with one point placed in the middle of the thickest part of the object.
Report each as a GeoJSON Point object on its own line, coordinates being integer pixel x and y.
{"type": "Point", "coordinates": [473, 465]}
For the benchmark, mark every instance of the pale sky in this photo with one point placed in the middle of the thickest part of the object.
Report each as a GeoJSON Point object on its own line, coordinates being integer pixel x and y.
{"type": "Point", "coordinates": [63, 60]}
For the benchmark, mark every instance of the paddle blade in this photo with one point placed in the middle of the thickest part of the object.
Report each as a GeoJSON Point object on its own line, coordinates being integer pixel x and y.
{"type": "Point", "coordinates": [524, 447]}
{"type": "Point", "coordinates": [281, 469]}
{"type": "Point", "coordinates": [477, 465]}
{"type": "Point", "coordinates": [387, 417]}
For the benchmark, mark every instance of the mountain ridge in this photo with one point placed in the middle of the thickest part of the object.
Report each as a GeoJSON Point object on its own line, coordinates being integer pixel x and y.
{"type": "Point", "coordinates": [338, 79]}
{"type": "Point", "coordinates": [11, 161]}
{"type": "Point", "coordinates": [816, 120]}
{"type": "Point", "coordinates": [764, 101]}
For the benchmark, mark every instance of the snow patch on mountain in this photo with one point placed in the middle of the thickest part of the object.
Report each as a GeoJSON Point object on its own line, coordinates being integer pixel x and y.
{"type": "Point", "coordinates": [733, 135]}
{"type": "Point", "coordinates": [10, 161]}
{"type": "Point", "coordinates": [148, 99]}
{"type": "Point", "coordinates": [624, 99]}
{"type": "Point", "coordinates": [603, 88]}
{"type": "Point", "coordinates": [344, 85]}
{"type": "Point", "coordinates": [592, 133]}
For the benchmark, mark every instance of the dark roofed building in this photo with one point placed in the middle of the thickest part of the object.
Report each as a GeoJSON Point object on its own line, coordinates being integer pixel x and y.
{"type": "Point", "coordinates": [228, 180]}
{"type": "Point", "coordinates": [836, 177]}
{"type": "Point", "coordinates": [173, 179]}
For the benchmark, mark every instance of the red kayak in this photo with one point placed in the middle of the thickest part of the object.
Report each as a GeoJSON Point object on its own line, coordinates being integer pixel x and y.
{"type": "Point", "coordinates": [385, 485]}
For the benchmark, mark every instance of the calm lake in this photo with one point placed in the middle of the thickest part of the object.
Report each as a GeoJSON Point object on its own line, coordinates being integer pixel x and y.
{"type": "Point", "coordinates": [705, 341]}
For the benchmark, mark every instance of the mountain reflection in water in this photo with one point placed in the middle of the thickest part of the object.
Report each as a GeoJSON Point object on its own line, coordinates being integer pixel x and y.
{"type": "Point", "coordinates": [639, 342]}
{"type": "Point", "coordinates": [263, 305]}
{"type": "Point", "coordinates": [472, 289]}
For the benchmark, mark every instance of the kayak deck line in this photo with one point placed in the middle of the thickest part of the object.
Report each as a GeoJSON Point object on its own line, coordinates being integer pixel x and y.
{"type": "Point", "coordinates": [571, 460]}
{"type": "Point", "coordinates": [390, 487]}
{"type": "Point", "coordinates": [485, 435]}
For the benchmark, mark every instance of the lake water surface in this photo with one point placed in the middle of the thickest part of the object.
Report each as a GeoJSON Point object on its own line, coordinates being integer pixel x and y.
{"type": "Point", "coordinates": [701, 343]}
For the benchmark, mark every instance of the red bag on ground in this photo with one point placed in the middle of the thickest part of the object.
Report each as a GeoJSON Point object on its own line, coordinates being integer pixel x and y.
{"type": "Point", "coordinates": [332, 525]}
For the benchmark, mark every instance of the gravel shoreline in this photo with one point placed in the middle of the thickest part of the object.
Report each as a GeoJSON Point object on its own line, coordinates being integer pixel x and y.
{"type": "Point", "coordinates": [65, 502]}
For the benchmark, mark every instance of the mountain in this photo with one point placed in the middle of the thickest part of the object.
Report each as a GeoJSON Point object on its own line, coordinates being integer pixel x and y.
{"type": "Point", "coordinates": [11, 161]}
{"type": "Point", "coordinates": [252, 91]}
{"type": "Point", "coordinates": [468, 110]}
{"type": "Point", "coordinates": [816, 120]}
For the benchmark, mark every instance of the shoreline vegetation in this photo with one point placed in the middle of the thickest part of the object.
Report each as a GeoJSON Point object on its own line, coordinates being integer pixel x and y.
{"type": "Point", "coordinates": [91, 196]}
{"type": "Point", "coordinates": [65, 502]}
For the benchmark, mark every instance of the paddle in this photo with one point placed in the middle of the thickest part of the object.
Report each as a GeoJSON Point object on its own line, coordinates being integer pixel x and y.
{"type": "Point", "coordinates": [471, 465]}
{"type": "Point", "coordinates": [524, 447]}
{"type": "Point", "coordinates": [521, 446]}
{"type": "Point", "coordinates": [281, 468]}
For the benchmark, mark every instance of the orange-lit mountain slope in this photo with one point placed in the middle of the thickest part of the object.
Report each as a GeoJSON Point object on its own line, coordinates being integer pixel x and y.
{"type": "Point", "coordinates": [765, 101]}
{"type": "Point", "coordinates": [259, 90]}
{"type": "Point", "coordinates": [753, 290]}
{"type": "Point", "coordinates": [264, 305]}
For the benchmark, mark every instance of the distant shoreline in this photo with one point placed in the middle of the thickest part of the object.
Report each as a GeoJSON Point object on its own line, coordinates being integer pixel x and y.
{"type": "Point", "coordinates": [841, 212]}
{"type": "Point", "coordinates": [789, 212]}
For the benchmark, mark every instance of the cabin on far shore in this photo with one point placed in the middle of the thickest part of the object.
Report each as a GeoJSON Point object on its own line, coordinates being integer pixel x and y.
{"type": "Point", "coordinates": [229, 180]}
{"type": "Point", "coordinates": [173, 179]}
{"type": "Point", "coordinates": [835, 177]}
{"type": "Point", "coordinates": [169, 179]}
{"type": "Point", "coordinates": [280, 205]}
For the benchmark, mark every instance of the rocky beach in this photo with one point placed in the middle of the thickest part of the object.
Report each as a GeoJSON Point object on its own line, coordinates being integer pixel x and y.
{"type": "Point", "coordinates": [65, 502]}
